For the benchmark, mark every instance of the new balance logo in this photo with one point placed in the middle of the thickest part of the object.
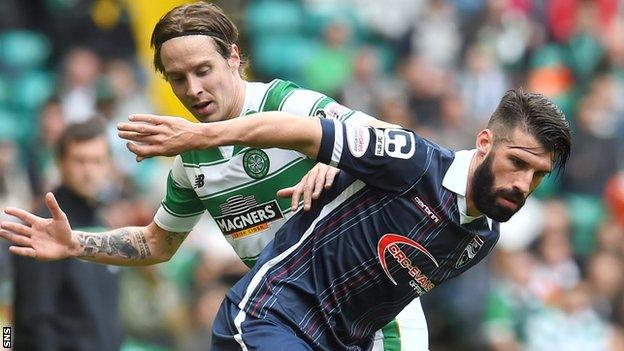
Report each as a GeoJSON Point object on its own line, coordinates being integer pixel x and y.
{"type": "Point", "coordinates": [199, 181]}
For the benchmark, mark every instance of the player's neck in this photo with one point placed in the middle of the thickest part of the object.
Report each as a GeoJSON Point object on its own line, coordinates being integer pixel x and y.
{"type": "Point", "coordinates": [239, 99]}
{"type": "Point", "coordinates": [471, 209]}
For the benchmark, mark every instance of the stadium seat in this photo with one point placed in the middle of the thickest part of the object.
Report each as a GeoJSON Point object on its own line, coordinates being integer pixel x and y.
{"type": "Point", "coordinates": [317, 18]}
{"type": "Point", "coordinates": [268, 50]}
{"type": "Point", "coordinates": [587, 212]}
{"type": "Point", "coordinates": [23, 50]}
{"type": "Point", "coordinates": [4, 91]}
{"type": "Point", "coordinates": [31, 89]}
{"type": "Point", "coordinates": [10, 128]}
{"type": "Point", "coordinates": [273, 17]}
{"type": "Point", "coordinates": [585, 55]}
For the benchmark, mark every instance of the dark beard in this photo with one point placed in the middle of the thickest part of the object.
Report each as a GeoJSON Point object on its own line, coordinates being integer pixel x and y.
{"type": "Point", "coordinates": [484, 196]}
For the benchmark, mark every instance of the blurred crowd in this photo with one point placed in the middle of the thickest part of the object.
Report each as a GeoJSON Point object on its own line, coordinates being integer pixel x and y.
{"type": "Point", "coordinates": [556, 279]}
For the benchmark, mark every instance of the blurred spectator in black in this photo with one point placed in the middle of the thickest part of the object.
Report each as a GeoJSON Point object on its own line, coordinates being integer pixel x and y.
{"type": "Point", "coordinates": [42, 168]}
{"type": "Point", "coordinates": [426, 83]}
{"type": "Point", "coordinates": [71, 304]}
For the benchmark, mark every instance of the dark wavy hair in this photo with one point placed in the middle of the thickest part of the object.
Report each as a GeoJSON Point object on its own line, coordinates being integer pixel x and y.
{"type": "Point", "coordinates": [537, 115]}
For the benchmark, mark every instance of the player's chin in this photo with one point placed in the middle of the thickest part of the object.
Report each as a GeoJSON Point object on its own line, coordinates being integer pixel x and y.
{"type": "Point", "coordinates": [502, 214]}
{"type": "Point", "coordinates": [214, 117]}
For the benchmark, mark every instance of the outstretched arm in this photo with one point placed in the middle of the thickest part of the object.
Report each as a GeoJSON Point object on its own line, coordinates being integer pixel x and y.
{"type": "Point", "coordinates": [168, 136]}
{"type": "Point", "coordinates": [49, 239]}
{"type": "Point", "coordinates": [262, 130]}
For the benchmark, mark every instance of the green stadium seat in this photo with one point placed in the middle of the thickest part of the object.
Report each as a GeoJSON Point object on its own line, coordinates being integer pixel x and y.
{"type": "Point", "coordinates": [317, 18]}
{"type": "Point", "coordinates": [10, 128]}
{"type": "Point", "coordinates": [269, 51]}
{"type": "Point", "coordinates": [273, 17]}
{"type": "Point", "coordinates": [23, 50]}
{"type": "Point", "coordinates": [4, 91]}
{"type": "Point", "coordinates": [31, 89]}
{"type": "Point", "coordinates": [586, 213]}
{"type": "Point", "coordinates": [586, 53]}
{"type": "Point", "coordinates": [547, 56]}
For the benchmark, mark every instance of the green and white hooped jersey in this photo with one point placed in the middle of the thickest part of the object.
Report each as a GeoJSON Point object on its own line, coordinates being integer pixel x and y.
{"type": "Point", "coordinates": [238, 185]}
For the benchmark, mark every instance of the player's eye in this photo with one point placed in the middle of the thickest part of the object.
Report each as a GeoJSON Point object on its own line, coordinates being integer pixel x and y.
{"type": "Point", "coordinates": [518, 163]}
{"type": "Point", "coordinates": [203, 71]}
{"type": "Point", "coordinates": [176, 79]}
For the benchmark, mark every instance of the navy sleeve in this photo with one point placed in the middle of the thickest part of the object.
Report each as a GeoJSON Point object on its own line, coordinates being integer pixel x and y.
{"type": "Point", "coordinates": [389, 159]}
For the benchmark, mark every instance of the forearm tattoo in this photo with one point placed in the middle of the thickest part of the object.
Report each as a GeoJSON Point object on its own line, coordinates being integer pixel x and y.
{"type": "Point", "coordinates": [173, 240]}
{"type": "Point", "coordinates": [122, 243]}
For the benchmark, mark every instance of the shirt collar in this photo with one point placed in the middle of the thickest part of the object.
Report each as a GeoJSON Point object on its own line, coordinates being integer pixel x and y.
{"type": "Point", "coordinates": [456, 180]}
{"type": "Point", "coordinates": [250, 89]}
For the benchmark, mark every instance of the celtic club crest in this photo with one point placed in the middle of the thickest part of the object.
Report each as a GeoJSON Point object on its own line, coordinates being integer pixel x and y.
{"type": "Point", "coordinates": [256, 163]}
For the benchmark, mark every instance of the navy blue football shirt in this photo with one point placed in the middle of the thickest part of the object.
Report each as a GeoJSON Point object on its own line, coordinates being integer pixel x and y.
{"type": "Point", "coordinates": [391, 228]}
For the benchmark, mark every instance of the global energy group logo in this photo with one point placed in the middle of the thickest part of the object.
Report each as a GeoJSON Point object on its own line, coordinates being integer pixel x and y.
{"type": "Point", "coordinates": [390, 242]}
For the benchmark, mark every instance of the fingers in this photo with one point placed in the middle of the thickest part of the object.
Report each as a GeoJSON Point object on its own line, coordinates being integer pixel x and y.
{"type": "Point", "coordinates": [144, 151]}
{"type": "Point", "coordinates": [17, 228]}
{"type": "Point", "coordinates": [286, 192]}
{"type": "Point", "coordinates": [54, 207]}
{"type": "Point", "coordinates": [139, 128]}
{"type": "Point", "coordinates": [296, 195]}
{"type": "Point", "coordinates": [138, 137]}
{"type": "Point", "coordinates": [319, 181]}
{"type": "Point", "coordinates": [147, 118]}
{"type": "Point", "coordinates": [23, 251]}
{"type": "Point", "coordinates": [20, 240]}
{"type": "Point", "coordinates": [24, 216]}
{"type": "Point", "coordinates": [309, 186]}
{"type": "Point", "coordinates": [330, 176]}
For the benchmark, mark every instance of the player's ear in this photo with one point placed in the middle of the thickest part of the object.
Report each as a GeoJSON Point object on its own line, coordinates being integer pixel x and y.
{"type": "Point", "coordinates": [234, 60]}
{"type": "Point", "coordinates": [484, 142]}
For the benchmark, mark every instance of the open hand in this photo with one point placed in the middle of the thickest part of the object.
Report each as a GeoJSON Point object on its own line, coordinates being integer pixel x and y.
{"type": "Point", "coordinates": [41, 238]}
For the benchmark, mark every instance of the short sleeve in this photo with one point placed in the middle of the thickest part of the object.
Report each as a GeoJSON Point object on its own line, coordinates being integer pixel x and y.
{"type": "Point", "coordinates": [181, 208]}
{"type": "Point", "coordinates": [390, 159]}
